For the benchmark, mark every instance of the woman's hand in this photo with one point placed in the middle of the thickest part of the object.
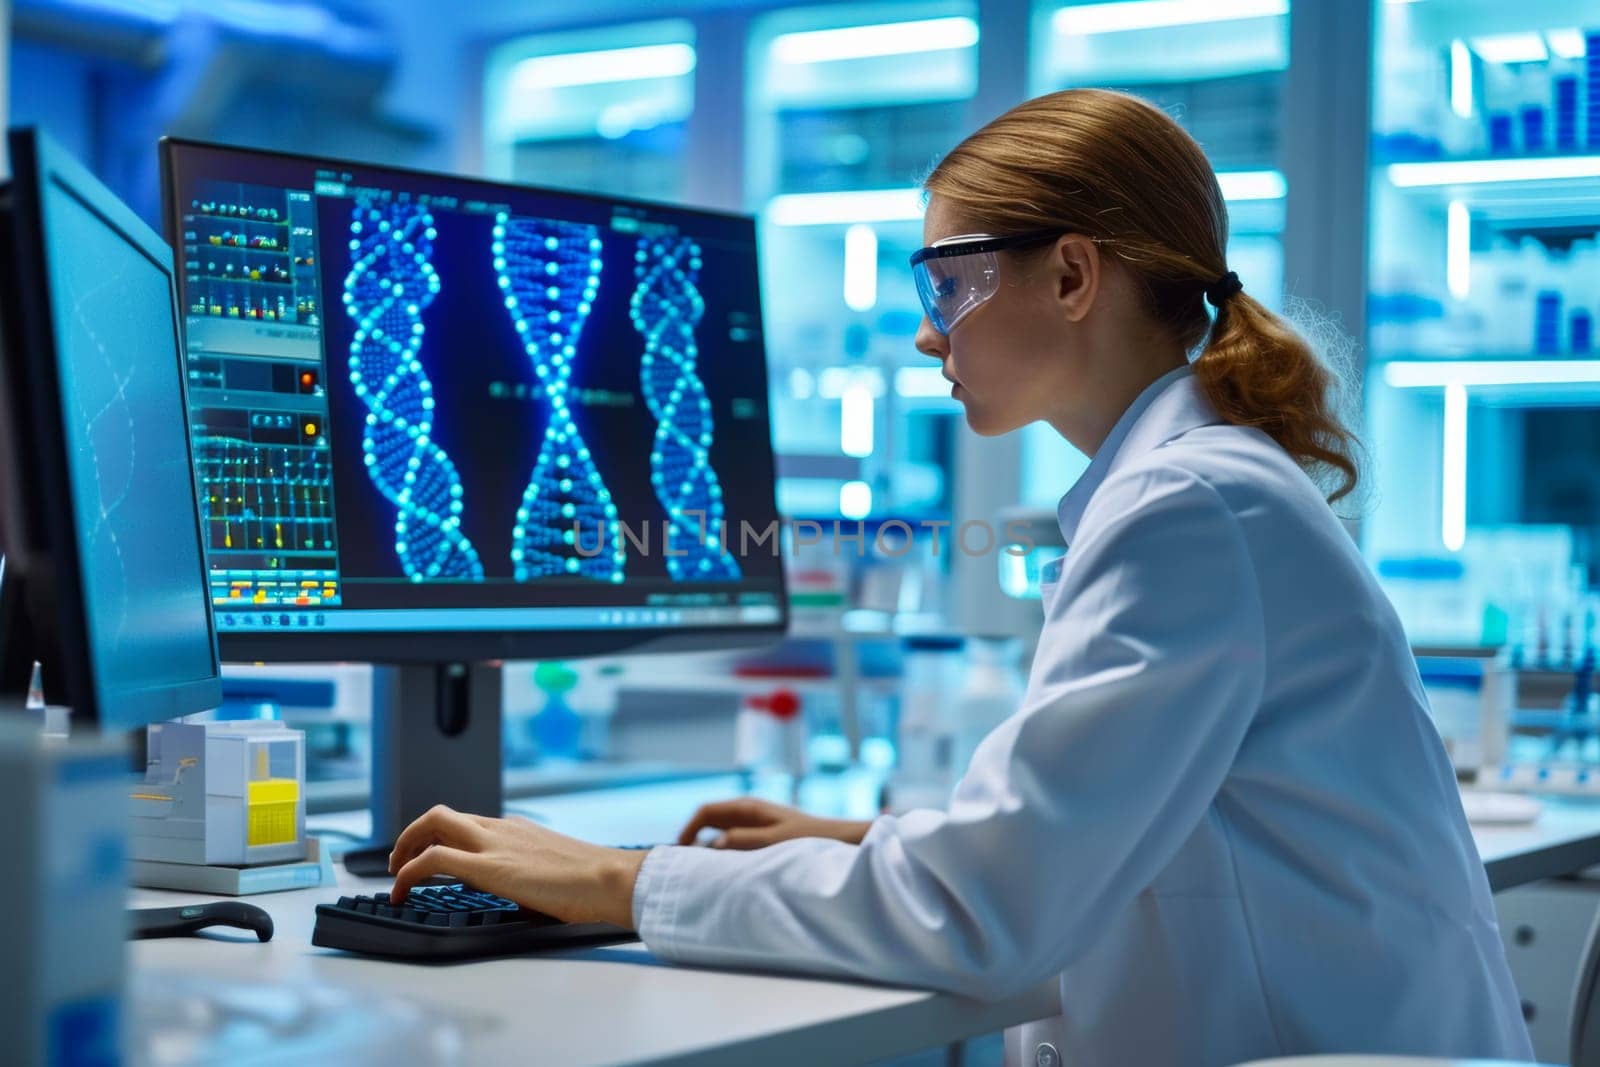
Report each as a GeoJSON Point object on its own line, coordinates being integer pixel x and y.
{"type": "Point", "coordinates": [751, 823]}
{"type": "Point", "coordinates": [571, 880]}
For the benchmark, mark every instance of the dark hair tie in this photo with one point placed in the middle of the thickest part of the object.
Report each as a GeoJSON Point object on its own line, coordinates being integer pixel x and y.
{"type": "Point", "coordinates": [1224, 287]}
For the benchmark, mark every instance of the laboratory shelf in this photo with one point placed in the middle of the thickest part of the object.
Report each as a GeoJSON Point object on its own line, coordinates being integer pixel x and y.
{"type": "Point", "coordinates": [1408, 372]}
{"type": "Point", "coordinates": [1533, 176]}
{"type": "Point", "coordinates": [1536, 193]}
{"type": "Point", "coordinates": [1483, 377]}
{"type": "Point", "coordinates": [1518, 382]}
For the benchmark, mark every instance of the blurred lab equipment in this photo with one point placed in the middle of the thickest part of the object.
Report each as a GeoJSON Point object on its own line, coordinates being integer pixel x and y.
{"type": "Point", "coordinates": [991, 693]}
{"type": "Point", "coordinates": [176, 1018]}
{"type": "Point", "coordinates": [227, 793]}
{"type": "Point", "coordinates": [1031, 538]}
{"type": "Point", "coordinates": [64, 885]}
{"type": "Point", "coordinates": [767, 732]}
{"type": "Point", "coordinates": [221, 809]}
{"type": "Point", "coordinates": [925, 772]}
{"type": "Point", "coordinates": [1473, 703]}
{"type": "Point", "coordinates": [556, 727]}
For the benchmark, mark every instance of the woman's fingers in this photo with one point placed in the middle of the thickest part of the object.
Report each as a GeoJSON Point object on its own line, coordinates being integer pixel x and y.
{"type": "Point", "coordinates": [704, 816]}
{"type": "Point", "coordinates": [745, 811]}
{"type": "Point", "coordinates": [438, 859]}
{"type": "Point", "coordinates": [746, 838]}
{"type": "Point", "coordinates": [438, 825]}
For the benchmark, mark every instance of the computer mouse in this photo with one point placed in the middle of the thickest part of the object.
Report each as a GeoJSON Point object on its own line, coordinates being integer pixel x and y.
{"type": "Point", "coordinates": [192, 918]}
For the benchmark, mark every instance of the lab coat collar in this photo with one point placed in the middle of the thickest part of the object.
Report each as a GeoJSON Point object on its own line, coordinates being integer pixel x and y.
{"type": "Point", "coordinates": [1169, 407]}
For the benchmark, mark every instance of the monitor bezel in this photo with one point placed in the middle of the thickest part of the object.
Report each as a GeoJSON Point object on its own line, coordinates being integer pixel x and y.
{"type": "Point", "coordinates": [50, 557]}
{"type": "Point", "coordinates": [423, 645]}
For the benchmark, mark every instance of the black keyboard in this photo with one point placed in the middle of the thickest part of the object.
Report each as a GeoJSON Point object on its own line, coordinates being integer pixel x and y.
{"type": "Point", "coordinates": [449, 922]}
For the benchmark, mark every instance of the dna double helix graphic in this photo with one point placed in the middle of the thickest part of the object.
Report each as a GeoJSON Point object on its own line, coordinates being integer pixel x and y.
{"type": "Point", "coordinates": [390, 281]}
{"type": "Point", "coordinates": [665, 309]}
{"type": "Point", "coordinates": [550, 272]}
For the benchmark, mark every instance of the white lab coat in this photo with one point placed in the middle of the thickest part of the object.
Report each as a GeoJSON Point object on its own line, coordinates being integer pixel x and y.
{"type": "Point", "coordinates": [1221, 815]}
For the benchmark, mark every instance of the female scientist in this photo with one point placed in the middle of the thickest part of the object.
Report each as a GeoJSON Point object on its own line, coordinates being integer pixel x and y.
{"type": "Point", "coordinates": [1221, 815]}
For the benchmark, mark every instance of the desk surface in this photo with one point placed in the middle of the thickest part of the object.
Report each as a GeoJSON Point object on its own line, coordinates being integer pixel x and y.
{"type": "Point", "coordinates": [1564, 840]}
{"type": "Point", "coordinates": [618, 1005]}
{"type": "Point", "coordinates": [610, 1005]}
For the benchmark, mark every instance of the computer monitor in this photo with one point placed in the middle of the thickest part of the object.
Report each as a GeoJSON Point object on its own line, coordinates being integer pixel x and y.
{"type": "Point", "coordinates": [104, 578]}
{"type": "Point", "coordinates": [442, 421]}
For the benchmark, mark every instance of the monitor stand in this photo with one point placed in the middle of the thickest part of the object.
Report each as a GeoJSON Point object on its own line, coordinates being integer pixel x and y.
{"type": "Point", "coordinates": [435, 740]}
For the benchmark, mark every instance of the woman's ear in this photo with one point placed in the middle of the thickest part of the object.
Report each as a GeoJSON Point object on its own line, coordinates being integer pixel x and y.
{"type": "Point", "coordinates": [1078, 268]}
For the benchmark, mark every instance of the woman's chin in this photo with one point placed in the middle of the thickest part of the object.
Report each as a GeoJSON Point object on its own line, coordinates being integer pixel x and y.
{"type": "Point", "coordinates": [982, 423]}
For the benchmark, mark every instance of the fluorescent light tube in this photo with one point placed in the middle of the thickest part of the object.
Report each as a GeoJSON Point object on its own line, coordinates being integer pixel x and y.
{"type": "Point", "coordinates": [842, 209]}
{"type": "Point", "coordinates": [1568, 44]}
{"type": "Point", "coordinates": [921, 382]}
{"type": "Point", "coordinates": [860, 267]}
{"type": "Point", "coordinates": [1453, 498]}
{"type": "Point", "coordinates": [855, 421]}
{"type": "Point", "coordinates": [1511, 48]}
{"type": "Point", "coordinates": [1252, 184]}
{"type": "Point", "coordinates": [1477, 171]}
{"type": "Point", "coordinates": [1460, 79]}
{"type": "Point", "coordinates": [866, 42]}
{"type": "Point", "coordinates": [1085, 19]}
{"type": "Point", "coordinates": [1458, 249]}
{"type": "Point", "coordinates": [602, 67]}
{"type": "Point", "coordinates": [1424, 374]}
{"type": "Point", "coordinates": [855, 500]}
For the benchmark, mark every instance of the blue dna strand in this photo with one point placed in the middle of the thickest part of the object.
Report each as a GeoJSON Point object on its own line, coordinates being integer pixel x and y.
{"type": "Point", "coordinates": [550, 272]}
{"type": "Point", "coordinates": [390, 282]}
{"type": "Point", "coordinates": [666, 308]}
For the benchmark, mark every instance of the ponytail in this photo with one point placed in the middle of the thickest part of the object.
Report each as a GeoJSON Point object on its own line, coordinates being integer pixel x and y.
{"type": "Point", "coordinates": [1257, 371]}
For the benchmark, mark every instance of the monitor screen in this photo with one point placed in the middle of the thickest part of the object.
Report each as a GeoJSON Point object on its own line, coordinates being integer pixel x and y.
{"type": "Point", "coordinates": [428, 404]}
{"type": "Point", "coordinates": [128, 575]}
{"type": "Point", "coordinates": [122, 399]}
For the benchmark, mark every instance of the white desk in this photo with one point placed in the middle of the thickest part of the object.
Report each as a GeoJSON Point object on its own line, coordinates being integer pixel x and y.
{"type": "Point", "coordinates": [1564, 840]}
{"type": "Point", "coordinates": [610, 1005]}
{"type": "Point", "coordinates": [618, 1005]}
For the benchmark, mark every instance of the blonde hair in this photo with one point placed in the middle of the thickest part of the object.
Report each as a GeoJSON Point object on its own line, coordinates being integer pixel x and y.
{"type": "Point", "coordinates": [1112, 167]}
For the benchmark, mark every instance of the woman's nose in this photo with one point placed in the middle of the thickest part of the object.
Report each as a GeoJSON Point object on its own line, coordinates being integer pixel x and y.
{"type": "Point", "coordinates": [930, 342]}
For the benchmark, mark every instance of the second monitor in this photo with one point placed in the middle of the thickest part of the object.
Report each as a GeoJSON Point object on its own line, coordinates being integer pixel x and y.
{"type": "Point", "coordinates": [445, 420]}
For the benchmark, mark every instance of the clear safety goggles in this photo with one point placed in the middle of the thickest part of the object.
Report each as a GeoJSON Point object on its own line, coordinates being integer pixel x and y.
{"type": "Point", "coordinates": [957, 275]}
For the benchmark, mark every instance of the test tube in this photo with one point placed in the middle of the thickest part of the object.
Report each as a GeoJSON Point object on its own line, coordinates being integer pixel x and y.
{"type": "Point", "coordinates": [1533, 128]}
{"type": "Point", "coordinates": [1566, 90]}
{"type": "Point", "coordinates": [1500, 127]}
{"type": "Point", "coordinates": [1547, 323]}
{"type": "Point", "coordinates": [1582, 331]}
{"type": "Point", "coordinates": [1591, 64]}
